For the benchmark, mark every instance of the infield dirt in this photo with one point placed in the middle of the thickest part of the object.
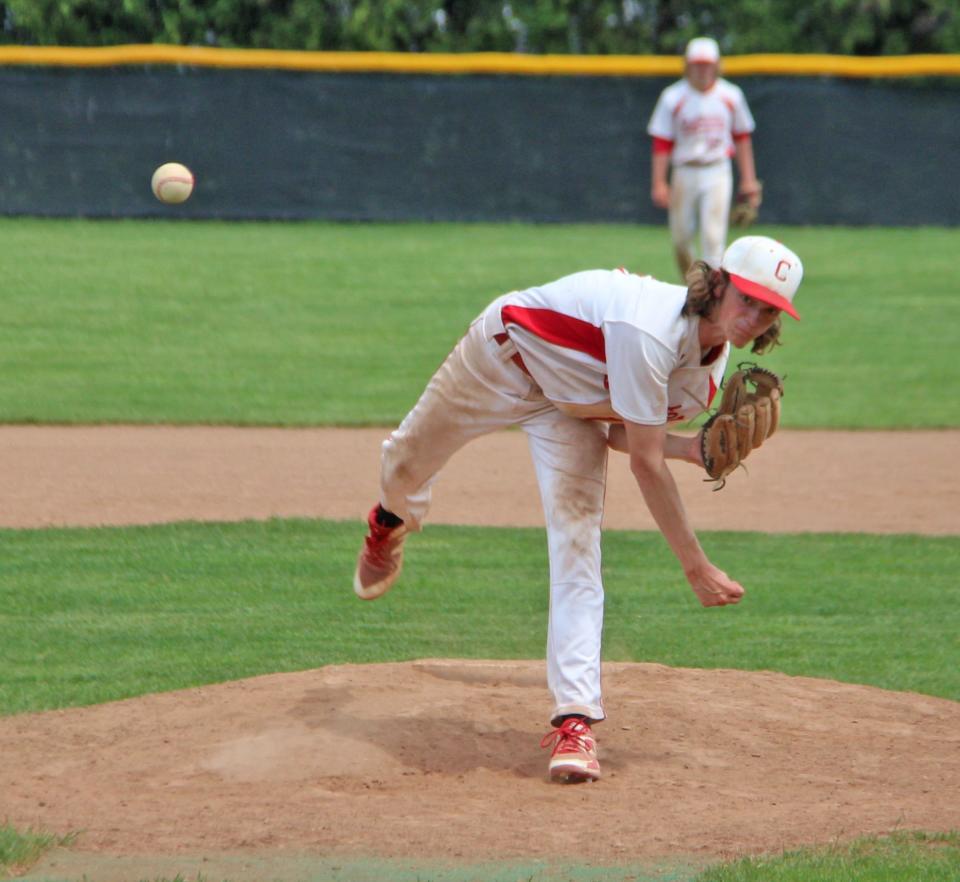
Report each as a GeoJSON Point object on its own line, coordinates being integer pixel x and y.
{"type": "Point", "coordinates": [870, 482]}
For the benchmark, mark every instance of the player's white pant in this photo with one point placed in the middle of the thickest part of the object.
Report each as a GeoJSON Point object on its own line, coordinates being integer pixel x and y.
{"type": "Point", "coordinates": [477, 390]}
{"type": "Point", "coordinates": [700, 200]}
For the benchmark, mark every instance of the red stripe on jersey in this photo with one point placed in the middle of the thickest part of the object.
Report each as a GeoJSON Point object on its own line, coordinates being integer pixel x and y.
{"type": "Point", "coordinates": [741, 136]}
{"type": "Point", "coordinates": [713, 391]}
{"type": "Point", "coordinates": [662, 145]}
{"type": "Point", "coordinates": [559, 329]}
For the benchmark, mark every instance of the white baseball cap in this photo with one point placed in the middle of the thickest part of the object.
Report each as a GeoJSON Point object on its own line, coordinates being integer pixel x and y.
{"type": "Point", "coordinates": [703, 49]}
{"type": "Point", "coordinates": [764, 269]}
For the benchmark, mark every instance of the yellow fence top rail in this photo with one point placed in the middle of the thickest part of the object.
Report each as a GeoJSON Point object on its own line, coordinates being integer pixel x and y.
{"type": "Point", "coordinates": [475, 62]}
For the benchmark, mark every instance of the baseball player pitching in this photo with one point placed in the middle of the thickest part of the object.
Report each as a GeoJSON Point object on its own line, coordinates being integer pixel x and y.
{"type": "Point", "coordinates": [698, 124]}
{"type": "Point", "coordinates": [592, 361]}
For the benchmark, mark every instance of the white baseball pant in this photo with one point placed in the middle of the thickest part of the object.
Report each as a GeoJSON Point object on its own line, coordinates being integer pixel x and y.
{"type": "Point", "coordinates": [700, 199]}
{"type": "Point", "coordinates": [479, 389]}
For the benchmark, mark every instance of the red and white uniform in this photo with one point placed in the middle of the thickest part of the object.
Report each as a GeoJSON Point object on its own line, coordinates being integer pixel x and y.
{"type": "Point", "coordinates": [611, 345]}
{"type": "Point", "coordinates": [560, 360]}
{"type": "Point", "coordinates": [699, 129]}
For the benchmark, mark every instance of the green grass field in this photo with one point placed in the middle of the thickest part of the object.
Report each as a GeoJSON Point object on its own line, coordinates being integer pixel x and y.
{"type": "Point", "coordinates": [900, 857]}
{"type": "Point", "coordinates": [138, 321]}
{"type": "Point", "coordinates": [903, 857]}
{"type": "Point", "coordinates": [323, 324]}
{"type": "Point", "coordinates": [93, 615]}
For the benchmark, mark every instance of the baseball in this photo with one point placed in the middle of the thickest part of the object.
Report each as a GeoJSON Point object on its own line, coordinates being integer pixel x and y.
{"type": "Point", "coordinates": [172, 183]}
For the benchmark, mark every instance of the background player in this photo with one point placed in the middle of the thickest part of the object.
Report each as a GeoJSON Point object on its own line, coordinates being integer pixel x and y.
{"type": "Point", "coordinates": [699, 122]}
{"type": "Point", "coordinates": [592, 360]}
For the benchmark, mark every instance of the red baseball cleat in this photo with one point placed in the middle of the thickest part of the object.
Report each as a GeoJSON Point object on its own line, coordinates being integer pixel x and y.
{"type": "Point", "coordinates": [380, 558]}
{"type": "Point", "coordinates": [574, 756]}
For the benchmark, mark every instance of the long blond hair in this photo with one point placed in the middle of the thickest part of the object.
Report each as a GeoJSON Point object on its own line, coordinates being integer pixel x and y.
{"type": "Point", "coordinates": [704, 289]}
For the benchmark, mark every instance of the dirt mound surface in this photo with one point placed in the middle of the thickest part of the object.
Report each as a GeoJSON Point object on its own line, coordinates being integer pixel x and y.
{"type": "Point", "coordinates": [441, 759]}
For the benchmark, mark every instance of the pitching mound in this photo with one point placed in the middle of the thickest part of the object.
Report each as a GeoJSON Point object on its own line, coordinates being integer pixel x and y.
{"type": "Point", "coordinates": [441, 759]}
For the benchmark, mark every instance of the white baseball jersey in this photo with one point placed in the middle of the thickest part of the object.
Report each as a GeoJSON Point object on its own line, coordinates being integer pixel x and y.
{"type": "Point", "coordinates": [612, 345]}
{"type": "Point", "coordinates": [701, 126]}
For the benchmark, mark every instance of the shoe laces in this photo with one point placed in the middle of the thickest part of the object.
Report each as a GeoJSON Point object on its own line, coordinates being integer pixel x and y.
{"type": "Point", "coordinates": [378, 542]}
{"type": "Point", "coordinates": [572, 735]}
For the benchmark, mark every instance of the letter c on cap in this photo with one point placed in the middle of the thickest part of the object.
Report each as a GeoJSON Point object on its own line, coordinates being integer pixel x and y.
{"type": "Point", "coordinates": [784, 265]}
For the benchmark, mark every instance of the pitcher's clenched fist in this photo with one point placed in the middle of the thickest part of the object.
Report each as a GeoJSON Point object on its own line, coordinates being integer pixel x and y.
{"type": "Point", "coordinates": [714, 587]}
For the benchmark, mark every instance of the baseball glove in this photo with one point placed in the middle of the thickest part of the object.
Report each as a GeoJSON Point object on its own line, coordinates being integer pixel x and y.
{"type": "Point", "coordinates": [745, 209]}
{"type": "Point", "coordinates": [748, 414]}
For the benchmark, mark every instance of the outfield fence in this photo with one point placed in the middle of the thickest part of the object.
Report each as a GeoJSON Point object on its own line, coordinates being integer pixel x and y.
{"type": "Point", "coordinates": [472, 137]}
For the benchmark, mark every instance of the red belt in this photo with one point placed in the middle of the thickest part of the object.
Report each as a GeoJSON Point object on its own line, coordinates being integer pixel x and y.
{"type": "Point", "coordinates": [503, 339]}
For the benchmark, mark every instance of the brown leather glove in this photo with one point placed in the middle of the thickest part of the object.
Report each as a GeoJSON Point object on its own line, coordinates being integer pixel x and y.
{"type": "Point", "coordinates": [746, 207]}
{"type": "Point", "coordinates": [748, 414]}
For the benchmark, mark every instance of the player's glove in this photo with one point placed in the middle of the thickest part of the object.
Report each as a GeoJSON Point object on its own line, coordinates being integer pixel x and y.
{"type": "Point", "coordinates": [749, 413]}
{"type": "Point", "coordinates": [746, 207]}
